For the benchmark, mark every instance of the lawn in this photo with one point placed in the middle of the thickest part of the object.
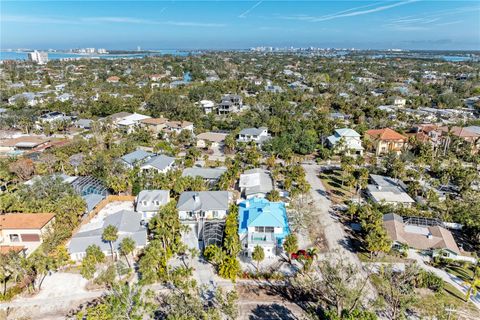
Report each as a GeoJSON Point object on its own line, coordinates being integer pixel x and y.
{"type": "Point", "coordinates": [432, 304]}
{"type": "Point", "coordinates": [332, 180]}
{"type": "Point", "coordinates": [386, 258]}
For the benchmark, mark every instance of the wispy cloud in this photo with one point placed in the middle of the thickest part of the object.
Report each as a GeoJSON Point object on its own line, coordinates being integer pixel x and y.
{"type": "Point", "coordinates": [100, 20]}
{"type": "Point", "coordinates": [428, 21]}
{"type": "Point", "coordinates": [356, 11]}
{"type": "Point", "coordinates": [245, 13]}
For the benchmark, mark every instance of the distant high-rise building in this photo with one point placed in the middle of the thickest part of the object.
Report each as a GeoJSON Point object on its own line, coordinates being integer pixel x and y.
{"type": "Point", "coordinates": [102, 51]}
{"type": "Point", "coordinates": [138, 48]}
{"type": "Point", "coordinates": [38, 57]}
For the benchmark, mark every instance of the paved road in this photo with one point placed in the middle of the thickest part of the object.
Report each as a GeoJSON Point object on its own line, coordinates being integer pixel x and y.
{"type": "Point", "coordinates": [337, 238]}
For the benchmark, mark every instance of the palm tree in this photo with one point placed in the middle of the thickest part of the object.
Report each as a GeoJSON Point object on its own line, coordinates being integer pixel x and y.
{"type": "Point", "coordinates": [126, 247]}
{"type": "Point", "coordinates": [110, 234]}
{"type": "Point", "coordinates": [473, 284]}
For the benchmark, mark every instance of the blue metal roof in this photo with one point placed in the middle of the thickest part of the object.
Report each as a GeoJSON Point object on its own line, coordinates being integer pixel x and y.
{"type": "Point", "coordinates": [259, 212]}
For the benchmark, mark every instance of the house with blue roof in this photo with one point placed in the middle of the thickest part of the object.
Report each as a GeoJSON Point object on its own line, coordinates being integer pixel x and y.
{"type": "Point", "coordinates": [346, 140]}
{"type": "Point", "coordinates": [262, 223]}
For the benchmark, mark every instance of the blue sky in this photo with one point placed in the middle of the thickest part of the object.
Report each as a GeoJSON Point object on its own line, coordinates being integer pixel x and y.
{"type": "Point", "coordinates": [412, 24]}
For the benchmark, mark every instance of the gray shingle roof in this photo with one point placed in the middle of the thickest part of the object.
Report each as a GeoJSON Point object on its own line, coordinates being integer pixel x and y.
{"type": "Point", "coordinates": [160, 162]}
{"type": "Point", "coordinates": [252, 131]}
{"type": "Point", "coordinates": [128, 225]}
{"type": "Point", "coordinates": [146, 200]}
{"type": "Point", "coordinates": [203, 200]}
{"type": "Point", "coordinates": [136, 156]}
{"type": "Point", "coordinates": [205, 173]}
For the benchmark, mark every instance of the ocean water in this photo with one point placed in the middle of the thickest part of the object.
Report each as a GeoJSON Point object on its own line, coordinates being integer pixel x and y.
{"type": "Point", "coordinates": [456, 58]}
{"type": "Point", "coordinates": [12, 55]}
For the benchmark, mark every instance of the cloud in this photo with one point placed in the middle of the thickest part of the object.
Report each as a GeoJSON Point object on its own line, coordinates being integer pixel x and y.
{"type": "Point", "coordinates": [428, 21]}
{"type": "Point", "coordinates": [39, 20]}
{"type": "Point", "coordinates": [356, 11]}
{"type": "Point", "coordinates": [245, 13]}
{"type": "Point", "coordinates": [99, 20]}
{"type": "Point", "coordinates": [343, 14]}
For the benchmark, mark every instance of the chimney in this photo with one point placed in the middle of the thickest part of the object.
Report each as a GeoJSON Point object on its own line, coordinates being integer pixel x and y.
{"type": "Point", "coordinates": [379, 187]}
{"type": "Point", "coordinates": [429, 236]}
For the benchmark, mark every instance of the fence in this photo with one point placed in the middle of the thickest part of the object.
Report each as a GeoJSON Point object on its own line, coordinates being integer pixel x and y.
{"type": "Point", "coordinates": [102, 204]}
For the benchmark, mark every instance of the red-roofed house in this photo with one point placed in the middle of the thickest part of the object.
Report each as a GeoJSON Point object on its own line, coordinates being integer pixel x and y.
{"type": "Point", "coordinates": [386, 140]}
{"type": "Point", "coordinates": [24, 230]}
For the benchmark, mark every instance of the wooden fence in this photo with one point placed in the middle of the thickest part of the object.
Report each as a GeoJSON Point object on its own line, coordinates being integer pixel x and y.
{"type": "Point", "coordinates": [102, 204]}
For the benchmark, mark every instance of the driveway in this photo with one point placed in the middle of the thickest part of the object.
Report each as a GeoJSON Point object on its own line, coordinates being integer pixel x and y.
{"type": "Point", "coordinates": [337, 238]}
{"type": "Point", "coordinates": [60, 293]}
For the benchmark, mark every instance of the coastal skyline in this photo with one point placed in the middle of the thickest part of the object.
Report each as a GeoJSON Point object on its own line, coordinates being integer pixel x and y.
{"type": "Point", "coordinates": [409, 24]}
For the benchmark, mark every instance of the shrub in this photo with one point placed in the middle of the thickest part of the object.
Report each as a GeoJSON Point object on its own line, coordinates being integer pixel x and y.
{"type": "Point", "coordinates": [427, 279]}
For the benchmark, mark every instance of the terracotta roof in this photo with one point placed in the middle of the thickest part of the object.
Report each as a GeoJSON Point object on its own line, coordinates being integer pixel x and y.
{"type": "Point", "coordinates": [385, 134]}
{"type": "Point", "coordinates": [25, 220]}
{"type": "Point", "coordinates": [460, 132]}
{"type": "Point", "coordinates": [7, 249]}
{"type": "Point", "coordinates": [154, 120]}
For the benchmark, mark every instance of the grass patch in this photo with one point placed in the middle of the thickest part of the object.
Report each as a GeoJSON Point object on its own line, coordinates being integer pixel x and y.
{"type": "Point", "coordinates": [462, 273]}
{"type": "Point", "coordinates": [386, 258]}
{"type": "Point", "coordinates": [433, 304]}
{"type": "Point", "coordinates": [332, 180]}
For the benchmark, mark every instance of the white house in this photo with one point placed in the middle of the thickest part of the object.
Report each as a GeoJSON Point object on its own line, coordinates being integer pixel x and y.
{"type": "Point", "coordinates": [262, 223]}
{"type": "Point", "coordinates": [399, 101]}
{"type": "Point", "coordinates": [386, 190]}
{"type": "Point", "coordinates": [158, 164]}
{"type": "Point", "coordinates": [255, 183]}
{"type": "Point", "coordinates": [129, 122]}
{"type": "Point", "coordinates": [208, 106]}
{"type": "Point", "coordinates": [257, 135]}
{"type": "Point", "coordinates": [345, 140]}
{"type": "Point", "coordinates": [208, 205]}
{"type": "Point", "coordinates": [148, 202]}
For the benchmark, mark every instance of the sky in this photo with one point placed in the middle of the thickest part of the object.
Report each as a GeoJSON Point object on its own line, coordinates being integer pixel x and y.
{"type": "Point", "coordinates": [404, 24]}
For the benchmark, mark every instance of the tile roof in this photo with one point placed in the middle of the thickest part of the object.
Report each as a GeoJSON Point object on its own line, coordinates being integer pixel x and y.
{"type": "Point", "coordinates": [419, 237]}
{"type": "Point", "coordinates": [7, 249]}
{"type": "Point", "coordinates": [385, 134]}
{"type": "Point", "coordinates": [25, 220]}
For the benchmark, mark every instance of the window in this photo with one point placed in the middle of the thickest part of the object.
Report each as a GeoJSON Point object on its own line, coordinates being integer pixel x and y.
{"type": "Point", "coordinates": [157, 203]}
{"type": "Point", "coordinates": [144, 202]}
{"type": "Point", "coordinates": [14, 238]}
{"type": "Point", "coordinates": [265, 229]}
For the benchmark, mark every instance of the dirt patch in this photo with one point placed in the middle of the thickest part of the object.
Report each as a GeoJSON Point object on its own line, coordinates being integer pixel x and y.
{"type": "Point", "coordinates": [256, 303]}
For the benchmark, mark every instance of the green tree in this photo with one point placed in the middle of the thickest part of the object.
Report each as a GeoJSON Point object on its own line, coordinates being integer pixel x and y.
{"type": "Point", "coordinates": [473, 284]}
{"type": "Point", "coordinates": [94, 256]}
{"type": "Point", "coordinates": [110, 235]}
{"type": "Point", "coordinates": [126, 247]}
{"type": "Point", "coordinates": [258, 255]}
{"type": "Point", "coordinates": [290, 244]}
